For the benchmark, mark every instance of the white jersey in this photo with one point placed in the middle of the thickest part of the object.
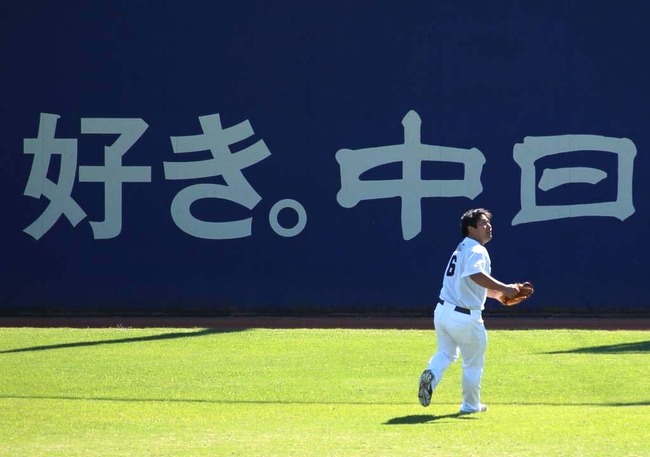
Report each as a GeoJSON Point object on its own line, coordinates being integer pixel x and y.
{"type": "Point", "coordinates": [458, 288]}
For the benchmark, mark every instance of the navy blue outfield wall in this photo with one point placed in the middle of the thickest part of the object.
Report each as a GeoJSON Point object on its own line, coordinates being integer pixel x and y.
{"type": "Point", "coordinates": [255, 156]}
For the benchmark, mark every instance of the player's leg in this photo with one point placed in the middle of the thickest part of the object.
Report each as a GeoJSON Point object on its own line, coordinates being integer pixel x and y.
{"type": "Point", "coordinates": [472, 349]}
{"type": "Point", "coordinates": [446, 354]}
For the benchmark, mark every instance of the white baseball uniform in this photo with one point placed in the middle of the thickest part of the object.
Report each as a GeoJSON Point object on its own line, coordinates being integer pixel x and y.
{"type": "Point", "coordinates": [458, 321]}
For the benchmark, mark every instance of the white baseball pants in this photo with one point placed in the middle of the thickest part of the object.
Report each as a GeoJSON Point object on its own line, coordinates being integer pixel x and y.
{"type": "Point", "coordinates": [457, 332]}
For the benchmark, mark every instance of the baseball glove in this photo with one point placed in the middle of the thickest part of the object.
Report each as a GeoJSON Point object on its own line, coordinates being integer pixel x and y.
{"type": "Point", "coordinates": [526, 289]}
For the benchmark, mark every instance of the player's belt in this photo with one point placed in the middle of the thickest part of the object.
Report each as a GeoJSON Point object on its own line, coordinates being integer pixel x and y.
{"type": "Point", "coordinates": [458, 309]}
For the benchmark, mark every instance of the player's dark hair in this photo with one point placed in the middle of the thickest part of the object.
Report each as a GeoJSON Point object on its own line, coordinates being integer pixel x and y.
{"type": "Point", "coordinates": [472, 217]}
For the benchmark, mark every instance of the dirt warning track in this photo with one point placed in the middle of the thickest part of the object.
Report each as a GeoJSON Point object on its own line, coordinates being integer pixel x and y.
{"type": "Point", "coordinates": [360, 322]}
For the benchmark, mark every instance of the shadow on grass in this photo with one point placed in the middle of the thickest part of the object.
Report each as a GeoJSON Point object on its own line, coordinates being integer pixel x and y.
{"type": "Point", "coordinates": [422, 419]}
{"type": "Point", "coordinates": [429, 418]}
{"type": "Point", "coordinates": [638, 347]}
{"type": "Point", "coordinates": [137, 339]}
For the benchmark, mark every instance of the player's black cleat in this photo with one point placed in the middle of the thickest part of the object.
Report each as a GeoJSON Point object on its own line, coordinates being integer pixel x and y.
{"type": "Point", "coordinates": [424, 394]}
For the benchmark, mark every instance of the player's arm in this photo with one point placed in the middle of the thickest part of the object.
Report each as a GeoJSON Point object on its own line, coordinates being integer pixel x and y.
{"type": "Point", "coordinates": [494, 286]}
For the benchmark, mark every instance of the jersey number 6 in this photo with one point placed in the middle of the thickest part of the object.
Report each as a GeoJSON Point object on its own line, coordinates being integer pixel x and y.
{"type": "Point", "coordinates": [451, 269]}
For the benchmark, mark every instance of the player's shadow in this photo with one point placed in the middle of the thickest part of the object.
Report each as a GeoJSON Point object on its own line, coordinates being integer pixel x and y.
{"type": "Point", "coordinates": [137, 339]}
{"type": "Point", "coordinates": [424, 418]}
{"type": "Point", "coordinates": [638, 347]}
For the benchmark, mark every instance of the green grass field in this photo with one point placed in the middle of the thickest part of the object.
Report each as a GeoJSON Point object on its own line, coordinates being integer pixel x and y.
{"type": "Point", "coordinates": [203, 392]}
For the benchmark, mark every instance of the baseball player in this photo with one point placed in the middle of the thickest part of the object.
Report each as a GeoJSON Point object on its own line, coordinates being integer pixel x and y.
{"type": "Point", "coordinates": [466, 284]}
